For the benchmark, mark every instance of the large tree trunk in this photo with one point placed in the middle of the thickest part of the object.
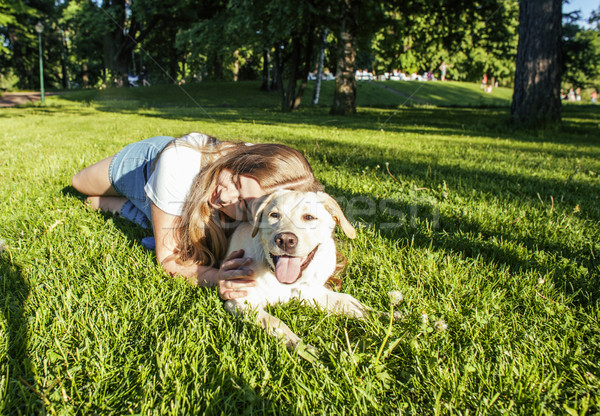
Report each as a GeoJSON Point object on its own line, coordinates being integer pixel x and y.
{"type": "Point", "coordinates": [344, 99]}
{"type": "Point", "coordinates": [536, 96]}
{"type": "Point", "coordinates": [118, 45]}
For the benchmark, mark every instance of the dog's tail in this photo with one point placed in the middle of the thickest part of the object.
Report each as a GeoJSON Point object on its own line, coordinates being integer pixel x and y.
{"type": "Point", "coordinates": [335, 281]}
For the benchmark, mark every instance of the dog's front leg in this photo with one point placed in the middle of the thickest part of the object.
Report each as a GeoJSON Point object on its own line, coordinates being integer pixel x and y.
{"type": "Point", "coordinates": [342, 303]}
{"type": "Point", "coordinates": [272, 325]}
{"type": "Point", "coordinates": [275, 327]}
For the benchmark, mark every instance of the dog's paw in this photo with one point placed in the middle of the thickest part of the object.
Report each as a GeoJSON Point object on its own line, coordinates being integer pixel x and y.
{"type": "Point", "coordinates": [307, 351]}
{"type": "Point", "coordinates": [232, 307]}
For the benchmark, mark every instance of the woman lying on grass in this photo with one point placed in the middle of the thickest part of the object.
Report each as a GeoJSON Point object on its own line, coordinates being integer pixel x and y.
{"type": "Point", "coordinates": [192, 190]}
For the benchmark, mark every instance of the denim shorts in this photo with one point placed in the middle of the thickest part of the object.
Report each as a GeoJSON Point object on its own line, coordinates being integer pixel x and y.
{"type": "Point", "coordinates": [129, 171]}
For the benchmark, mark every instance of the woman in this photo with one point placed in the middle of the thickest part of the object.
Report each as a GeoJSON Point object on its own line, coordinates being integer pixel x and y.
{"type": "Point", "coordinates": [192, 190]}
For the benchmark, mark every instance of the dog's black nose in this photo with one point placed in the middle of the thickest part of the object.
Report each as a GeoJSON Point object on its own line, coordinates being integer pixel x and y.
{"type": "Point", "coordinates": [287, 242]}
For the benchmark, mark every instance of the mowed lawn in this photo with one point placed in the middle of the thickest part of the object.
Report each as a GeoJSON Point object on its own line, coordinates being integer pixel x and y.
{"type": "Point", "coordinates": [492, 235]}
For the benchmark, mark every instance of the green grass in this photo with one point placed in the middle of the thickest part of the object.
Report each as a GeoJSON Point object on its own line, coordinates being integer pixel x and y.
{"type": "Point", "coordinates": [370, 94]}
{"type": "Point", "coordinates": [494, 232]}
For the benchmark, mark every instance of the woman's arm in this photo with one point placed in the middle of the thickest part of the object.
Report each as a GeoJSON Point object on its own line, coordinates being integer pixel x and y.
{"type": "Point", "coordinates": [232, 277]}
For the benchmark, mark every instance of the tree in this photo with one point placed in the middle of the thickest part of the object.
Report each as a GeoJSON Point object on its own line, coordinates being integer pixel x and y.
{"type": "Point", "coordinates": [472, 37]}
{"type": "Point", "coordinates": [344, 99]}
{"type": "Point", "coordinates": [536, 96]}
{"type": "Point", "coordinates": [19, 50]}
{"type": "Point", "coordinates": [581, 56]}
{"type": "Point", "coordinates": [131, 22]}
{"type": "Point", "coordinates": [357, 22]}
{"type": "Point", "coordinates": [83, 27]}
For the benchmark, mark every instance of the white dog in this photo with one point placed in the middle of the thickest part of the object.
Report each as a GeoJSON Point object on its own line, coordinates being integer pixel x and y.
{"type": "Point", "coordinates": [291, 242]}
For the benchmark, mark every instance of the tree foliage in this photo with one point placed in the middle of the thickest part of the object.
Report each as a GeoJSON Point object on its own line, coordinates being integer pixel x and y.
{"type": "Point", "coordinates": [473, 38]}
{"type": "Point", "coordinates": [581, 56]}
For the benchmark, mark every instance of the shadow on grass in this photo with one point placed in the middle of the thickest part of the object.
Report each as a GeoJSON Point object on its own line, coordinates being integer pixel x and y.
{"type": "Point", "coordinates": [462, 179]}
{"type": "Point", "coordinates": [476, 241]}
{"type": "Point", "coordinates": [20, 393]}
{"type": "Point", "coordinates": [133, 232]}
{"type": "Point", "coordinates": [579, 126]}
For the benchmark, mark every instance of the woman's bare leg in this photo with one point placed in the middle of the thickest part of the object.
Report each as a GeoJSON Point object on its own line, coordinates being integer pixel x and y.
{"type": "Point", "coordinates": [94, 181]}
{"type": "Point", "coordinates": [111, 204]}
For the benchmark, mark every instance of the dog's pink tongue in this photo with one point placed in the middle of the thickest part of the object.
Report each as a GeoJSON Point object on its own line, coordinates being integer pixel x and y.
{"type": "Point", "coordinates": [287, 269]}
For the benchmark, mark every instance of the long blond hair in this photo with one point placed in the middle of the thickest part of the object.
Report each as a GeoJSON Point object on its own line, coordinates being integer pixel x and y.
{"type": "Point", "coordinates": [202, 229]}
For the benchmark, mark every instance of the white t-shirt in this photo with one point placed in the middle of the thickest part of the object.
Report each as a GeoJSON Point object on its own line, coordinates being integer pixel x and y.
{"type": "Point", "coordinates": [175, 171]}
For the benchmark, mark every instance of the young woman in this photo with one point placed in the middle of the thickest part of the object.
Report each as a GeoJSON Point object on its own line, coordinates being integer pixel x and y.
{"type": "Point", "coordinates": [192, 190]}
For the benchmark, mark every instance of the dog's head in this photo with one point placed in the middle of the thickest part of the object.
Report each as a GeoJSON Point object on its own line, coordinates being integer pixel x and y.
{"type": "Point", "coordinates": [296, 227]}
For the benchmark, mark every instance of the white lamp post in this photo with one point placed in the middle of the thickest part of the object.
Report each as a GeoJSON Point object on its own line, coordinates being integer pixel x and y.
{"type": "Point", "coordinates": [39, 28]}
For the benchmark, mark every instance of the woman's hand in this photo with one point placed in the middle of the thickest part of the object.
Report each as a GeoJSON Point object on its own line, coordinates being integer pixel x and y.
{"type": "Point", "coordinates": [234, 276]}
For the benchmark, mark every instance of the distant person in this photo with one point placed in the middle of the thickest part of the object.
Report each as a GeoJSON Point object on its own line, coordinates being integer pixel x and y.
{"type": "Point", "coordinates": [193, 191]}
{"type": "Point", "coordinates": [484, 80]}
{"type": "Point", "coordinates": [571, 95]}
{"type": "Point", "coordinates": [594, 96]}
{"type": "Point", "coordinates": [443, 69]}
{"type": "Point", "coordinates": [144, 77]}
{"type": "Point", "coordinates": [578, 94]}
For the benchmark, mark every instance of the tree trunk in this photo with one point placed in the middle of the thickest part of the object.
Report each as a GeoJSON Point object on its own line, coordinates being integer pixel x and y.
{"type": "Point", "coordinates": [173, 58]}
{"type": "Point", "coordinates": [279, 72]}
{"type": "Point", "coordinates": [317, 92]}
{"type": "Point", "coordinates": [236, 65]}
{"type": "Point", "coordinates": [344, 99]}
{"type": "Point", "coordinates": [289, 97]}
{"type": "Point", "coordinates": [266, 73]}
{"type": "Point", "coordinates": [66, 83]}
{"type": "Point", "coordinates": [536, 96]}
{"type": "Point", "coordinates": [308, 52]}
{"type": "Point", "coordinates": [276, 71]}
{"type": "Point", "coordinates": [118, 44]}
{"type": "Point", "coordinates": [216, 67]}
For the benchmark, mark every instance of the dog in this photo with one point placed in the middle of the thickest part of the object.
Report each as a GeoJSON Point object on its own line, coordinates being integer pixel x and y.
{"type": "Point", "coordinates": [291, 242]}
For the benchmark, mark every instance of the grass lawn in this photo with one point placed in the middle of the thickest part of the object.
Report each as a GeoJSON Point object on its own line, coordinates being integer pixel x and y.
{"type": "Point", "coordinates": [492, 235]}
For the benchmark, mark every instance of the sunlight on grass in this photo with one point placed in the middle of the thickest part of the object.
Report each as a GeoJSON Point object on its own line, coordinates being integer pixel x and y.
{"type": "Point", "coordinates": [492, 236]}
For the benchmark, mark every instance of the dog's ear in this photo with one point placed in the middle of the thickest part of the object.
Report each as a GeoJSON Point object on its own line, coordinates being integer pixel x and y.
{"type": "Point", "coordinates": [338, 216]}
{"type": "Point", "coordinates": [257, 206]}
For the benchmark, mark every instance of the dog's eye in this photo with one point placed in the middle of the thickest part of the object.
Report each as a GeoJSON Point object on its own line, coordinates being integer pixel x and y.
{"type": "Point", "coordinates": [275, 215]}
{"type": "Point", "coordinates": [308, 217]}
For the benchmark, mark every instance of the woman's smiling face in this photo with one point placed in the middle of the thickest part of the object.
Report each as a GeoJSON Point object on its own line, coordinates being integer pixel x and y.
{"type": "Point", "coordinates": [229, 195]}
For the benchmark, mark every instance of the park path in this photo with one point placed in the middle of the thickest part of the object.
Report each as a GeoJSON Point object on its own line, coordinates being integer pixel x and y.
{"type": "Point", "coordinates": [10, 99]}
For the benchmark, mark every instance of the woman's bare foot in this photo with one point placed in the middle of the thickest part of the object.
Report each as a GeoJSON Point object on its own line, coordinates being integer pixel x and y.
{"type": "Point", "coordinates": [112, 204]}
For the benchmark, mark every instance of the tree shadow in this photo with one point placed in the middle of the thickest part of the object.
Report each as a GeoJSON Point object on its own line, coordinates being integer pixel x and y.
{"type": "Point", "coordinates": [455, 235]}
{"type": "Point", "coordinates": [426, 170]}
{"type": "Point", "coordinates": [21, 395]}
{"type": "Point", "coordinates": [579, 124]}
